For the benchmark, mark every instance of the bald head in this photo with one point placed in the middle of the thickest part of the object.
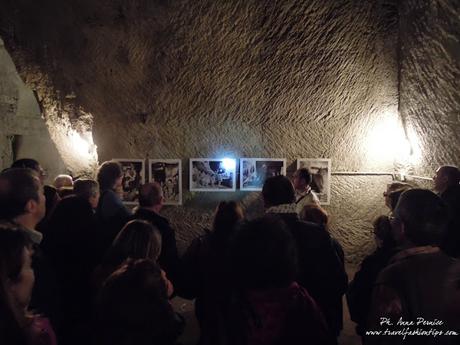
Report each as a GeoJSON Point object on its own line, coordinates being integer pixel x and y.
{"type": "Point", "coordinates": [150, 195]}
{"type": "Point", "coordinates": [445, 177]}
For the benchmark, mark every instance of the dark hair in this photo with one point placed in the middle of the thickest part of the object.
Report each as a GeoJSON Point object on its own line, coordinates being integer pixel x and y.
{"type": "Point", "coordinates": [278, 190]}
{"type": "Point", "coordinates": [133, 308]}
{"type": "Point", "coordinates": [17, 187]}
{"type": "Point", "coordinates": [85, 188]}
{"type": "Point", "coordinates": [70, 222]}
{"type": "Point", "coordinates": [423, 214]}
{"type": "Point", "coordinates": [452, 173]}
{"type": "Point", "coordinates": [315, 214]}
{"type": "Point", "coordinates": [228, 214]}
{"type": "Point", "coordinates": [150, 194]}
{"type": "Point", "coordinates": [12, 244]}
{"type": "Point", "coordinates": [395, 195]}
{"type": "Point", "coordinates": [137, 240]}
{"type": "Point", "coordinates": [26, 163]}
{"type": "Point", "coordinates": [108, 173]}
{"type": "Point", "coordinates": [305, 174]}
{"type": "Point", "coordinates": [264, 254]}
{"type": "Point", "coordinates": [398, 186]}
{"type": "Point", "coordinates": [382, 230]}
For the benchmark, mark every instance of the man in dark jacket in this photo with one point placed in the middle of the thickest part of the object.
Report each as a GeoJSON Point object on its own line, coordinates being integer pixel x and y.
{"type": "Point", "coordinates": [320, 269]}
{"type": "Point", "coordinates": [446, 184]}
{"type": "Point", "coordinates": [409, 293]}
{"type": "Point", "coordinates": [22, 202]}
{"type": "Point", "coordinates": [151, 201]}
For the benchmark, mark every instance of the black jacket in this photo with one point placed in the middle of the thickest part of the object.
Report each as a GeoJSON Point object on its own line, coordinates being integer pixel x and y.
{"type": "Point", "coordinates": [451, 242]}
{"type": "Point", "coordinates": [169, 259]}
{"type": "Point", "coordinates": [321, 271]}
{"type": "Point", "coordinates": [359, 295]}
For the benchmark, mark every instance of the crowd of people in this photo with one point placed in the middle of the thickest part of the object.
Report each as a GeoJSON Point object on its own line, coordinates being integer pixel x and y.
{"type": "Point", "coordinates": [78, 267]}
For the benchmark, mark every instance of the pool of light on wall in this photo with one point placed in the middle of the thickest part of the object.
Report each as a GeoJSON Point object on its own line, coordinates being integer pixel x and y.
{"type": "Point", "coordinates": [387, 142]}
{"type": "Point", "coordinates": [83, 146]}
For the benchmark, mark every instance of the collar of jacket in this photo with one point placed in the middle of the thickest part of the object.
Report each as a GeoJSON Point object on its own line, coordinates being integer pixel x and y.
{"type": "Point", "coordinates": [283, 208]}
{"type": "Point", "coordinates": [35, 236]}
{"type": "Point", "coordinates": [405, 253]}
{"type": "Point", "coordinates": [303, 193]}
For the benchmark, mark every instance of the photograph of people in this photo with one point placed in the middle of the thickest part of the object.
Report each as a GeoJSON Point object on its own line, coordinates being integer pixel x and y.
{"type": "Point", "coordinates": [212, 174]}
{"type": "Point", "coordinates": [168, 173]}
{"type": "Point", "coordinates": [320, 169]}
{"type": "Point", "coordinates": [133, 177]}
{"type": "Point", "coordinates": [254, 171]}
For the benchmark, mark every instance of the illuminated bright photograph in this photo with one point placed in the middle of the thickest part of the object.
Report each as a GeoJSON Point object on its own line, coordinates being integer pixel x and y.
{"type": "Point", "coordinates": [254, 171]}
{"type": "Point", "coordinates": [133, 177]}
{"type": "Point", "coordinates": [320, 169]}
{"type": "Point", "coordinates": [212, 174]}
{"type": "Point", "coordinates": [168, 173]}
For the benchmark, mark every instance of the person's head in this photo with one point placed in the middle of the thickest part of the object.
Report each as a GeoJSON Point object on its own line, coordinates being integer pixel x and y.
{"type": "Point", "coordinates": [52, 198]}
{"type": "Point", "coordinates": [109, 175]}
{"type": "Point", "coordinates": [315, 214]}
{"type": "Point", "coordinates": [16, 273]}
{"type": "Point", "coordinates": [382, 232]}
{"type": "Point", "coordinates": [87, 189]}
{"type": "Point", "coordinates": [302, 178]}
{"type": "Point", "coordinates": [275, 262]}
{"type": "Point", "coordinates": [393, 192]}
{"type": "Point", "coordinates": [137, 240]}
{"type": "Point", "coordinates": [29, 163]}
{"type": "Point", "coordinates": [445, 177]}
{"type": "Point", "coordinates": [150, 195]}
{"type": "Point", "coordinates": [278, 190]}
{"type": "Point", "coordinates": [227, 215]}
{"type": "Point", "coordinates": [419, 218]}
{"type": "Point", "coordinates": [133, 308]}
{"type": "Point", "coordinates": [63, 181]}
{"type": "Point", "coordinates": [21, 197]}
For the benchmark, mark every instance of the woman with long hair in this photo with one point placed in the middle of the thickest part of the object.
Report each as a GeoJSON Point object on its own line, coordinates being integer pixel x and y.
{"type": "Point", "coordinates": [205, 272]}
{"type": "Point", "coordinates": [137, 240]}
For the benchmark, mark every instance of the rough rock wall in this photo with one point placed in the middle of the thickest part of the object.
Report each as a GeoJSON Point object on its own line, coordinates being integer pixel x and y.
{"type": "Point", "coordinates": [430, 79]}
{"type": "Point", "coordinates": [23, 132]}
{"type": "Point", "coordinates": [180, 79]}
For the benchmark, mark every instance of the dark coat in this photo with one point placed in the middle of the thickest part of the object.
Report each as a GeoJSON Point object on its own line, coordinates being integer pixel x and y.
{"type": "Point", "coordinates": [413, 286]}
{"type": "Point", "coordinates": [359, 293]}
{"type": "Point", "coordinates": [451, 241]}
{"type": "Point", "coordinates": [112, 216]}
{"type": "Point", "coordinates": [206, 278]}
{"type": "Point", "coordinates": [71, 246]}
{"type": "Point", "coordinates": [321, 271]}
{"type": "Point", "coordinates": [169, 259]}
{"type": "Point", "coordinates": [278, 316]}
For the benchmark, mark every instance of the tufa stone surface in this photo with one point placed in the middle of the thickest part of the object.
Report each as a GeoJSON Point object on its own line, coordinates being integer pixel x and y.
{"type": "Point", "coordinates": [430, 75]}
{"type": "Point", "coordinates": [291, 78]}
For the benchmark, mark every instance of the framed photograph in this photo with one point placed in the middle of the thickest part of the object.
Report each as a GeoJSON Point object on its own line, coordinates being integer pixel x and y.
{"type": "Point", "coordinates": [254, 171]}
{"type": "Point", "coordinates": [212, 175]}
{"type": "Point", "coordinates": [320, 169]}
{"type": "Point", "coordinates": [133, 177]}
{"type": "Point", "coordinates": [168, 173]}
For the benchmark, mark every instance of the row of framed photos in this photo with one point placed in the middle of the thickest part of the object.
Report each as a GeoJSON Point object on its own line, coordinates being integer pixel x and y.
{"type": "Point", "coordinates": [217, 175]}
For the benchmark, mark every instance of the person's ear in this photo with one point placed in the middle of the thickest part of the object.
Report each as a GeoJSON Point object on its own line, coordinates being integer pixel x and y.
{"type": "Point", "coordinates": [31, 206]}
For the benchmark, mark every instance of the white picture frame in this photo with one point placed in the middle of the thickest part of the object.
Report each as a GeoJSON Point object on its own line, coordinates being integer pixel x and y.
{"type": "Point", "coordinates": [254, 171]}
{"type": "Point", "coordinates": [168, 173]}
{"type": "Point", "coordinates": [212, 175]}
{"type": "Point", "coordinates": [320, 169]}
{"type": "Point", "coordinates": [133, 177]}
